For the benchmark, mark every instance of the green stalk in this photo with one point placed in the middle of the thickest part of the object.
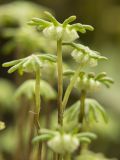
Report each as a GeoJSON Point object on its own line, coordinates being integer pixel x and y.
{"type": "Point", "coordinates": [70, 87]}
{"type": "Point", "coordinates": [82, 116]}
{"type": "Point", "coordinates": [82, 106]}
{"type": "Point", "coordinates": [60, 81]}
{"type": "Point", "coordinates": [37, 98]}
{"type": "Point", "coordinates": [37, 109]}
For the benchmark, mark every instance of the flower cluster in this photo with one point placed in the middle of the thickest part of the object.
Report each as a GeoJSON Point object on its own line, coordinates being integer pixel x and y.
{"type": "Point", "coordinates": [30, 63]}
{"type": "Point", "coordinates": [89, 81]}
{"type": "Point", "coordinates": [55, 30]}
{"type": "Point", "coordinates": [84, 55]}
{"type": "Point", "coordinates": [61, 142]}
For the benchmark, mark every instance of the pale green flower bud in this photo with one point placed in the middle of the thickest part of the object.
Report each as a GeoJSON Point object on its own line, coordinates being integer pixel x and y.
{"type": "Point", "coordinates": [56, 144]}
{"type": "Point", "coordinates": [71, 143]}
{"type": "Point", "coordinates": [85, 59]}
{"type": "Point", "coordinates": [97, 84]}
{"type": "Point", "coordinates": [80, 57]}
{"type": "Point", "coordinates": [63, 143]}
{"type": "Point", "coordinates": [77, 55]}
{"type": "Point", "coordinates": [59, 32]}
{"type": "Point", "coordinates": [93, 62]}
{"type": "Point", "coordinates": [85, 81]}
{"type": "Point", "coordinates": [92, 83]}
{"type": "Point", "coordinates": [50, 32]}
{"type": "Point", "coordinates": [69, 35]}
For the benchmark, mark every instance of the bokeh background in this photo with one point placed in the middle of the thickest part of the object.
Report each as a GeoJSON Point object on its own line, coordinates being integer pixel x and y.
{"type": "Point", "coordinates": [16, 41]}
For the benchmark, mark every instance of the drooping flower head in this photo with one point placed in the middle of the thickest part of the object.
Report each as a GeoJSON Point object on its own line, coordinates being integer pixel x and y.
{"type": "Point", "coordinates": [83, 55]}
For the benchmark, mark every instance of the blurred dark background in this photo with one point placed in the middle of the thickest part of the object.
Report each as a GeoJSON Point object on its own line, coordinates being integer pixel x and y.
{"type": "Point", "coordinates": [104, 15]}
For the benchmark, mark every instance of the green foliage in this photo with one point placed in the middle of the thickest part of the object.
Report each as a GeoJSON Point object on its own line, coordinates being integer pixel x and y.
{"type": "Point", "coordinates": [93, 112]}
{"type": "Point", "coordinates": [30, 63]}
{"type": "Point", "coordinates": [84, 55]}
{"type": "Point", "coordinates": [27, 89]}
{"type": "Point", "coordinates": [55, 30]}
{"type": "Point", "coordinates": [70, 133]}
{"type": "Point", "coordinates": [90, 81]}
{"type": "Point", "coordinates": [61, 142]}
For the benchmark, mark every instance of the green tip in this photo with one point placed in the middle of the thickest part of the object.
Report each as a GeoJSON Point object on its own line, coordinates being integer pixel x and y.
{"type": "Point", "coordinates": [51, 18]}
{"type": "Point", "coordinates": [88, 27]}
{"type": "Point", "coordinates": [69, 20]}
{"type": "Point", "coordinates": [3, 65]}
{"type": "Point", "coordinates": [30, 23]}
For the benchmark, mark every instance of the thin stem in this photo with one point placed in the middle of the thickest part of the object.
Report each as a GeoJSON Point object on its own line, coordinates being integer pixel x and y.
{"type": "Point", "coordinates": [31, 131]}
{"type": "Point", "coordinates": [82, 116]}
{"type": "Point", "coordinates": [20, 152]}
{"type": "Point", "coordinates": [70, 87]}
{"type": "Point", "coordinates": [60, 81]}
{"type": "Point", "coordinates": [82, 106]}
{"type": "Point", "coordinates": [37, 97]}
{"type": "Point", "coordinates": [37, 109]}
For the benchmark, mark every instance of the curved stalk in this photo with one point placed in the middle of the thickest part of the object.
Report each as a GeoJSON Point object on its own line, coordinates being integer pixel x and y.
{"type": "Point", "coordinates": [69, 88]}
{"type": "Point", "coordinates": [60, 81]}
{"type": "Point", "coordinates": [82, 106]}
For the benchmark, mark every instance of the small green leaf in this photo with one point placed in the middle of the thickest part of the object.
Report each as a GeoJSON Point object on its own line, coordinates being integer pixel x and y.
{"type": "Point", "coordinates": [85, 139]}
{"type": "Point", "coordinates": [78, 27]}
{"type": "Point", "coordinates": [87, 134]}
{"type": "Point", "coordinates": [51, 18]}
{"type": "Point", "coordinates": [91, 75]}
{"type": "Point", "coordinates": [42, 22]}
{"type": "Point", "coordinates": [11, 63]}
{"type": "Point", "coordinates": [41, 138]}
{"type": "Point", "coordinates": [15, 67]}
{"type": "Point", "coordinates": [68, 73]}
{"type": "Point", "coordinates": [48, 57]}
{"type": "Point", "coordinates": [69, 20]}
{"type": "Point", "coordinates": [108, 79]}
{"type": "Point", "coordinates": [92, 109]}
{"type": "Point", "coordinates": [88, 27]}
{"type": "Point", "coordinates": [47, 131]}
{"type": "Point", "coordinates": [101, 75]}
{"type": "Point", "coordinates": [97, 108]}
{"type": "Point", "coordinates": [30, 63]}
{"type": "Point", "coordinates": [31, 23]}
{"type": "Point", "coordinates": [102, 111]}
